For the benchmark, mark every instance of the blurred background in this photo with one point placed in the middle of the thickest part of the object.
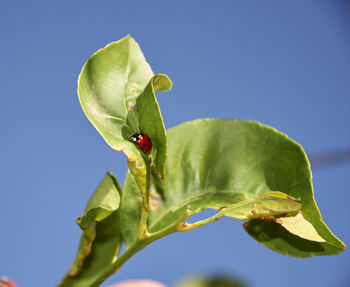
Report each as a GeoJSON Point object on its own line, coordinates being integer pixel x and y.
{"type": "Point", "coordinates": [283, 63]}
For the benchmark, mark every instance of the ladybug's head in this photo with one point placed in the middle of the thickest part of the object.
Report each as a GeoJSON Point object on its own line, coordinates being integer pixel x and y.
{"type": "Point", "coordinates": [135, 137]}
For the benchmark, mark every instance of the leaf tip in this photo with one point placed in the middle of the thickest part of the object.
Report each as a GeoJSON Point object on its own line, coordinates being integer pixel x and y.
{"type": "Point", "coordinates": [162, 82]}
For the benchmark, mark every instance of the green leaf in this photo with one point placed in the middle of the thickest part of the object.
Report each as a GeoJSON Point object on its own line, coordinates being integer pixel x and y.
{"type": "Point", "coordinates": [146, 114]}
{"type": "Point", "coordinates": [245, 170]}
{"type": "Point", "coordinates": [101, 237]}
{"type": "Point", "coordinates": [151, 121]}
{"type": "Point", "coordinates": [130, 210]}
{"type": "Point", "coordinates": [116, 91]}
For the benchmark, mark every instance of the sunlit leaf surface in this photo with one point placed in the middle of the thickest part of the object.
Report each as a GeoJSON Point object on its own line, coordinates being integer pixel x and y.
{"type": "Point", "coordinates": [243, 169]}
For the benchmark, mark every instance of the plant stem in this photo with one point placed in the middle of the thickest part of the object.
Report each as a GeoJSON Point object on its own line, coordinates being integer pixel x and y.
{"type": "Point", "coordinates": [189, 226]}
{"type": "Point", "coordinates": [137, 246]}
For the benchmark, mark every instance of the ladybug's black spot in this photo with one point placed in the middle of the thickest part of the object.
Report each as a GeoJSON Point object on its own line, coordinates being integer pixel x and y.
{"type": "Point", "coordinates": [144, 144]}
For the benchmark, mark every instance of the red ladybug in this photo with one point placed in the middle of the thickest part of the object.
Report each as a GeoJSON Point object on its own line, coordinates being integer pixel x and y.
{"type": "Point", "coordinates": [143, 141]}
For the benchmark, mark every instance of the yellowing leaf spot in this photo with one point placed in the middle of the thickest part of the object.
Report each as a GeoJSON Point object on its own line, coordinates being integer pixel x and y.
{"type": "Point", "coordinates": [299, 226]}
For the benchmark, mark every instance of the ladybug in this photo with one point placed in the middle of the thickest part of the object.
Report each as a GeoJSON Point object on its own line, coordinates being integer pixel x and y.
{"type": "Point", "coordinates": [143, 141]}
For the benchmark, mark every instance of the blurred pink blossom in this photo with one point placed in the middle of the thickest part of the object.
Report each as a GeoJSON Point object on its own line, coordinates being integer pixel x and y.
{"type": "Point", "coordinates": [138, 283]}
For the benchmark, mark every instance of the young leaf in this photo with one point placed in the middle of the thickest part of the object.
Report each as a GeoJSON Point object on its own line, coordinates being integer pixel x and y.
{"type": "Point", "coordinates": [149, 119]}
{"type": "Point", "coordinates": [101, 237]}
{"type": "Point", "coordinates": [244, 169]}
{"type": "Point", "coordinates": [116, 92]}
{"type": "Point", "coordinates": [151, 122]}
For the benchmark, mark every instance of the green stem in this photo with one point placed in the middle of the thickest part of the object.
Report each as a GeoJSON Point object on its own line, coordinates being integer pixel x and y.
{"type": "Point", "coordinates": [137, 246]}
{"type": "Point", "coordinates": [189, 226]}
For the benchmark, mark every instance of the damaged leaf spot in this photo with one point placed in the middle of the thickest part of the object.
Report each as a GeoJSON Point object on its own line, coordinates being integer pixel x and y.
{"type": "Point", "coordinates": [132, 106]}
{"type": "Point", "coordinates": [299, 226]}
{"type": "Point", "coordinates": [154, 202]}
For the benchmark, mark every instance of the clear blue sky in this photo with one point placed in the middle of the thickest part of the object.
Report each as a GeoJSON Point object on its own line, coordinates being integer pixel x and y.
{"type": "Point", "coordinates": [283, 63]}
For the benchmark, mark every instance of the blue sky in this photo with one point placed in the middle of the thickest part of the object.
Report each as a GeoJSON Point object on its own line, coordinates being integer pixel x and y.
{"type": "Point", "coordinates": [283, 63]}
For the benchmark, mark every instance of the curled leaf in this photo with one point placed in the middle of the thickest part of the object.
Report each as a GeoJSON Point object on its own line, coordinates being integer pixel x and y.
{"type": "Point", "coordinates": [116, 91]}
{"type": "Point", "coordinates": [268, 206]}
